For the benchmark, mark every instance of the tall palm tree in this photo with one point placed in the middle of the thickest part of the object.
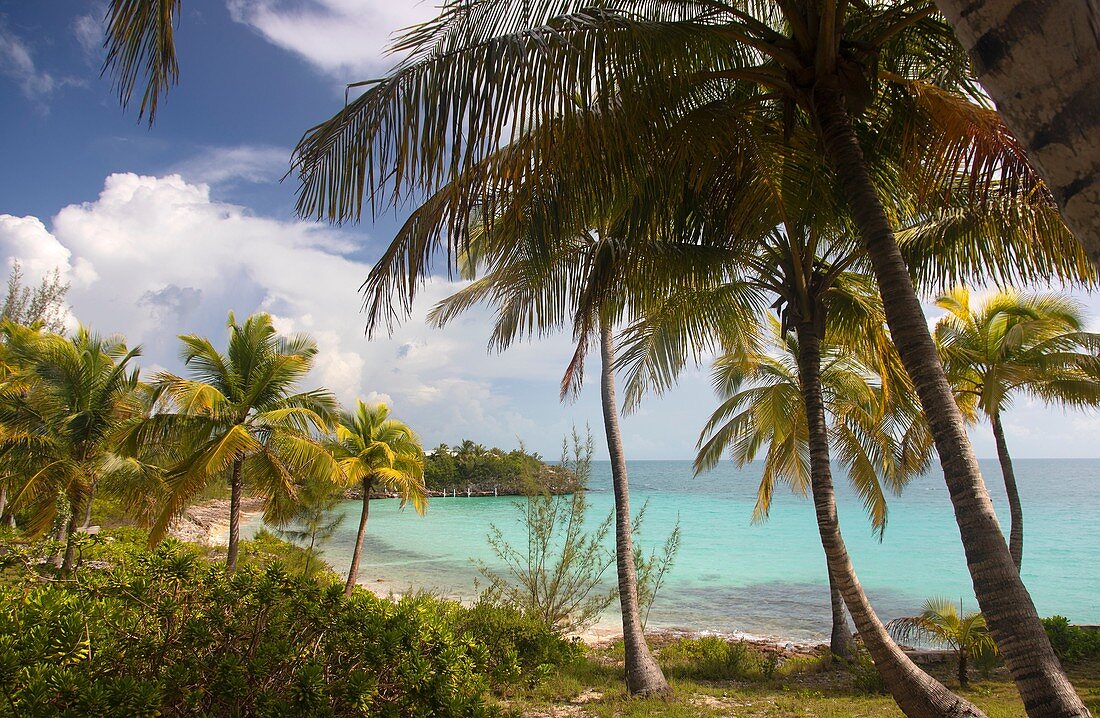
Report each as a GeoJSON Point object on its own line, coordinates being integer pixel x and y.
{"type": "Point", "coordinates": [238, 419]}
{"type": "Point", "coordinates": [537, 292]}
{"type": "Point", "coordinates": [1012, 343]}
{"type": "Point", "coordinates": [877, 430]}
{"type": "Point", "coordinates": [483, 73]}
{"type": "Point", "coordinates": [942, 621]}
{"type": "Point", "coordinates": [372, 450]}
{"type": "Point", "coordinates": [59, 414]}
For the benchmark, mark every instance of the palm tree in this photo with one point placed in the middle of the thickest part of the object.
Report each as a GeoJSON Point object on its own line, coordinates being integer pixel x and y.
{"type": "Point", "coordinates": [483, 73]}
{"type": "Point", "coordinates": [313, 522]}
{"type": "Point", "coordinates": [59, 412]}
{"type": "Point", "coordinates": [1042, 71]}
{"type": "Point", "coordinates": [941, 621]}
{"type": "Point", "coordinates": [535, 292]}
{"type": "Point", "coordinates": [878, 432]}
{"type": "Point", "coordinates": [1017, 343]}
{"type": "Point", "coordinates": [237, 419]}
{"type": "Point", "coordinates": [373, 450]}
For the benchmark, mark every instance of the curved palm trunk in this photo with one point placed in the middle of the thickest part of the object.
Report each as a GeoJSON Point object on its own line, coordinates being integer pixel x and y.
{"type": "Point", "coordinates": [1039, 60]}
{"type": "Point", "coordinates": [916, 693]}
{"type": "Point", "coordinates": [1015, 508]}
{"type": "Point", "coordinates": [235, 490]}
{"type": "Point", "coordinates": [1005, 601]}
{"type": "Point", "coordinates": [643, 675]}
{"type": "Point", "coordinates": [840, 641]}
{"type": "Point", "coordinates": [353, 571]}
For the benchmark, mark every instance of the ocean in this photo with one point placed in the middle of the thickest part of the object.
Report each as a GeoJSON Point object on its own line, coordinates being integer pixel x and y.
{"type": "Point", "coordinates": [767, 579]}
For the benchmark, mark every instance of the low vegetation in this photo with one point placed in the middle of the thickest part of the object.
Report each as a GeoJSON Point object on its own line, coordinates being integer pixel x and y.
{"type": "Point", "coordinates": [471, 466]}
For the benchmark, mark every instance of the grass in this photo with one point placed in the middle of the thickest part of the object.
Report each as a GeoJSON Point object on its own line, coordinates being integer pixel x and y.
{"type": "Point", "coordinates": [800, 687]}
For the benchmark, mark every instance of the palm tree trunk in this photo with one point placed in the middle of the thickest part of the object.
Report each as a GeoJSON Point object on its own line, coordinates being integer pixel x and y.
{"type": "Point", "coordinates": [7, 517]}
{"type": "Point", "coordinates": [916, 693]}
{"type": "Point", "coordinates": [840, 641]}
{"type": "Point", "coordinates": [1005, 601]}
{"type": "Point", "coordinates": [88, 510]}
{"type": "Point", "coordinates": [964, 682]}
{"type": "Point", "coordinates": [643, 675]}
{"type": "Point", "coordinates": [1039, 62]}
{"type": "Point", "coordinates": [71, 527]}
{"type": "Point", "coordinates": [235, 490]}
{"type": "Point", "coordinates": [1015, 508]}
{"type": "Point", "coordinates": [353, 570]}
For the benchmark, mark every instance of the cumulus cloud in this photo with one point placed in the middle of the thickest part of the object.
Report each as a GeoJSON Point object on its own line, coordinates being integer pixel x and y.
{"type": "Point", "coordinates": [159, 256]}
{"type": "Point", "coordinates": [340, 37]}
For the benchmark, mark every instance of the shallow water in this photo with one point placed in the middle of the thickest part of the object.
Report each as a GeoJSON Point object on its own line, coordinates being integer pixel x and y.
{"type": "Point", "coordinates": [766, 579]}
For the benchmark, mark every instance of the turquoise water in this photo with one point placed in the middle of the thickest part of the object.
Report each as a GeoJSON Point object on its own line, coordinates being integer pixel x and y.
{"type": "Point", "coordinates": [766, 579]}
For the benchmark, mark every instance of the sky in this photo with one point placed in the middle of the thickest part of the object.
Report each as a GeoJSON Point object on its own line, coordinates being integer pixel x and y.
{"type": "Point", "coordinates": [163, 231]}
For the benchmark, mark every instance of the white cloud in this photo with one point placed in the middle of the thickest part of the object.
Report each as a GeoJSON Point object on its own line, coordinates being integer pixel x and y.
{"type": "Point", "coordinates": [218, 166]}
{"type": "Point", "coordinates": [17, 63]}
{"type": "Point", "coordinates": [342, 37]}
{"type": "Point", "coordinates": [170, 259]}
{"type": "Point", "coordinates": [88, 30]}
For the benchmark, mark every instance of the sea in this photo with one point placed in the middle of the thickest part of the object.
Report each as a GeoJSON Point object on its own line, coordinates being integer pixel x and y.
{"type": "Point", "coordinates": [767, 579]}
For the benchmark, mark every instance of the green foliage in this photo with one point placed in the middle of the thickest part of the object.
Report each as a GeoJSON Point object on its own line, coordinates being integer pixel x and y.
{"type": "Point", "coordinates": [710, 658]}
{"type": "Point", "coordinates": [557, 574]}
{"type": "Point", "coordinates": [169, 634]}
{"type": "Point", "coordinates": [471, 465]}
{"type": "Point", "coordinates": [865, 675]}
{"type": "Point", "coordinates": [313, 523]}
{"type": "Point", "coordinates": [652, 568]}
{"type": "Point", "coordinates": [1073, 644]}
{"type": "Point", "coordinates": [266, 548]}
{"type": "Point", "coordinates": [520, 648]}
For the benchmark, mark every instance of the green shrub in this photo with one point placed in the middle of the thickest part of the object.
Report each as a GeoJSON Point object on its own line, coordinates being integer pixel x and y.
{"type": "Point", "coordinates": [865, 675]}
{"type": "Point", "coordinates": [1072, 643]}
{"type": "Point", "coordinates": [711, 658]}
{"type": "Point", "coordinates": [520, 648]}
{"type": "Point", "coordinates": [166, 633]}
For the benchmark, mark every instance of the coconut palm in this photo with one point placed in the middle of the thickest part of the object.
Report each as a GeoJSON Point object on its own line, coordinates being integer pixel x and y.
{"type": "Point", "coordinates": [238, 419]}
{"type": "Point", "coordinates": [537, 292]}
{"type": "Point", "coordinates": [942, 621]}
{"type": "Point", "coordinates": [875, 427]}
{"type": "Point", "coordinates": [60, 410]}
{"type": "Point", "coordinates": [1013, 343]}
{"type": "Point", "coordinates": [483, 73]}
{"type": "Point", "coordinates": [374, 451]}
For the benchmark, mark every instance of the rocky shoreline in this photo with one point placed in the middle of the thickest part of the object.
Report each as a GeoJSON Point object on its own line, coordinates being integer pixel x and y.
{"type": "Point", "coordinates": [208, 523]}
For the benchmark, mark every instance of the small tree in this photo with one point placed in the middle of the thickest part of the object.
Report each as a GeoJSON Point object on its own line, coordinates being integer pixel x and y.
{"type": "Point", "coordinates": [314, 523]}
{"type": "Point", "coordinates": [940, 621]}
{"type": "Point", "coordinates": [558, 575]}
{"type": "Point", "coordinates": [653, 569]}
{"type": "Point", "coordinates": [43, 303]}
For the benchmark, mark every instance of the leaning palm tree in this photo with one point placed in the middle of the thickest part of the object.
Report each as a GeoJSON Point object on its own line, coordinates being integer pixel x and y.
{"type": "Point", "coordinates": [374, 451]}
{"type": "Point", "coordinates": [60, 411]}
{"type": "Point", "coordinates": [875, 429]}
{"type": "Point", "coordinates": [484, 73]}
{"type": "Point", "coordinates": [1013, 343]}
{"type": "Point", "coordinates": [942, 621]}
{"type": "Point", "coordinates": [238, 420]}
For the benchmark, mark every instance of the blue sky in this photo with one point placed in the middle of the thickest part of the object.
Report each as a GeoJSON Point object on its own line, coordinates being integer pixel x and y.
{"type": "Point", "coordinates": [162, 231]}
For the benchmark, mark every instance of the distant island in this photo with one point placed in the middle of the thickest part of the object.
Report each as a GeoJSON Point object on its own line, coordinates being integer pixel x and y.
{"type": "Point", "coordinates": [474, 470]}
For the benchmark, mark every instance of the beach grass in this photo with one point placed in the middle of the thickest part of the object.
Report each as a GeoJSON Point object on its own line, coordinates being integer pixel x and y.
{"type": "Point", "coordinates": [592, 687]}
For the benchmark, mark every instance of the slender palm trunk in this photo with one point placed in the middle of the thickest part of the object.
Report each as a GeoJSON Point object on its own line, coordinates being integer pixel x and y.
{"type": "Point", "coordinates": [1040, 60]}
{"type": "Point", "coordinates": [71, 526]}
{"type": "Point", "coordinates": [840, 641]}
{"type": "Point", "coordinates": [1015, 508]}
{"type": "Point", "coordinates": [88, 510]}
{"type": "Point", "coordinates": [353, 571]}
{"type": "Point", "coordinates": [235, 490]}
{"type": "Point", "coordinates": [916, 693]}
{"type": "Point", "coordinates": [7, 517]}
{"type": "Point", "coordinates": [1006, 603]}
{"type": "Point", "coordinates": [964, 682]}
{"type": "Point", "coordinates": [643, 675]}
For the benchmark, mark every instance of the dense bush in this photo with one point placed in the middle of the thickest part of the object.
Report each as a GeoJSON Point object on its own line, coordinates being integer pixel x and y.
{"type": "Point", "coordinates": [472, 466]}
{"type": "Point", "coordinates": [167, 633]}
{"type": "Point", "coordinates": [1071, 643]}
